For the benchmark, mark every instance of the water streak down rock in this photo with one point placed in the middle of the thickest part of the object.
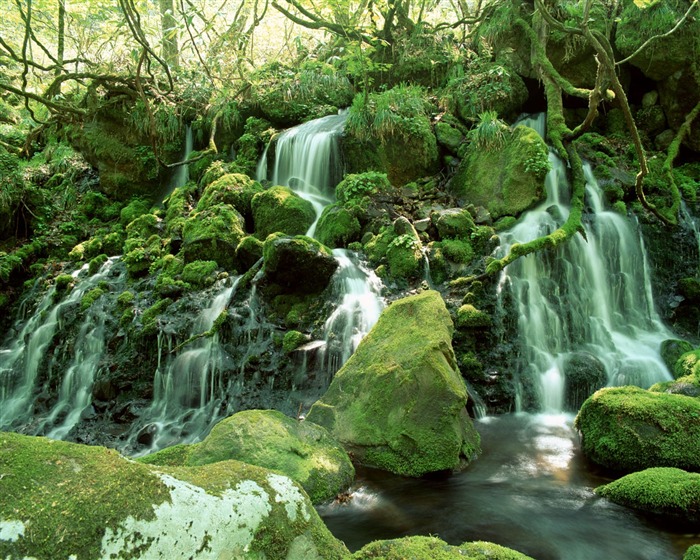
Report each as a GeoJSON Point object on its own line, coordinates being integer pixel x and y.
{"type": "Point", "coordinates": [398, 404]}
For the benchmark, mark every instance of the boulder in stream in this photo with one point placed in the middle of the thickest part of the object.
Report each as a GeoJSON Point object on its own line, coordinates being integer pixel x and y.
{"type": "Point", "coordinates": [267, 438]}
{"type": "Point", "coordinates": [432, 548]}
{"type": "Point", "coordinates": [399, 402]}
{"type": "Point", "coordinates": [65, 500]}
{"type": "Point", "coordinates": [628, 429]}
{"type": "Point", "coordinates": [281, 209]}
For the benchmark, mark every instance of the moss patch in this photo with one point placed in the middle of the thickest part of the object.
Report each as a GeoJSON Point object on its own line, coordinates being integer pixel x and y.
{"type": "Point", "coordinates": [432, 548]}
{"type": "Point", "coordinates": [280, 209]}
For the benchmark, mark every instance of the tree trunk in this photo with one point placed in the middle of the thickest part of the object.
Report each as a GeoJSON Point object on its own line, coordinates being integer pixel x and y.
{"type": "Point", "coordinates": [170, 50]}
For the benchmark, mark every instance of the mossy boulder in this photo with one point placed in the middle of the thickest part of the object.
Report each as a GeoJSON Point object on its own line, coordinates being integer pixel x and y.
{"type": "Point", "coordinates": [671, 351]}
{"type": "Point", "coordinates": [628, 429]}
{"type": "Point", "coordinates": [303, 451]}
{"type": "Point", "coordinates": [432, 548]}
{"type": "Point", "coordinates": [453, 223]}
{"type": "Point", "coordinates": [213, 235]}
{"type": "Point", "coordinates": [693, 553]}
{"type": "Point", "coordinates": [665, 491]}
{"type": "Point", "coordinates": [469, 317]}
{"type": "Point", "coordinates": [584, 374]}
{"type": "Point", "coordinates": [248, 252]}
{"type": "Point", "coordinates": [507, 180]}
{"type": "Point", "coordinates": [687, 364]}
{"type": "Point", "coordinates": [338, 226]}
{"type": "Point", "coordinates": [281, 209]}
{"type": "Point", "coordinates": [399, 402]}
{"type": "Point", "coordinates": [298, 265]}
{"type": "Point", "coordinates": [105, 506]}
{"type": "Point", "coordinates": [235, 189]}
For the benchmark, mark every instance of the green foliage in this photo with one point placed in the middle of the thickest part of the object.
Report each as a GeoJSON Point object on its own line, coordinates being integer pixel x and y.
{"type": "Point", "coordinates": [359, 189]}
{"type": "Point", "coordinates": [459, 251]}
{"type": "Point", "coordinates": [200, 273]}
{"type": "Point", "coordinates": [292, 340]}
{"type": "Point", "coordinates": [490, 132]}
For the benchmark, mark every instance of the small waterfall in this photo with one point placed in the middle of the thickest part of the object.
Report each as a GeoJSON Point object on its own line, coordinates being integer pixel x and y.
{"type": "Point", "coordinates": [691, 223]}
{"type": "Point", "coordinates": [187, 389]}
{"type": "Point", "coordinates": [181, 175]}
{"type": "Point", "coordinates": [589, 296]}
{"type": "Point", "coordinates": [308, 160]}
{"type": "Point", "coordinates": [24, 357]}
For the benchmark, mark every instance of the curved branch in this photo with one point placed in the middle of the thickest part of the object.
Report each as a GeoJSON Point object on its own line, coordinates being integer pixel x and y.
{"type": "Point", "coordinates": [315, 22]}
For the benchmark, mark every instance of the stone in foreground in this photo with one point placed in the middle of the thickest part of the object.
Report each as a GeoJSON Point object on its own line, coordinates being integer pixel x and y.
{"type": "Point", "coordinates": [431, 548]}
{"type": "Point", "coordinates": [61, 500]}
{"type": "Point", "coordinates": [398, 404]}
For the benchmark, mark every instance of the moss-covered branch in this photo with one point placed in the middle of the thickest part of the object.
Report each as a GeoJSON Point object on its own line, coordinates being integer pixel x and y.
{"type": "Point", "coordinates": [218, 322]}
{"type": "Point", "coordinates": [671, 155]}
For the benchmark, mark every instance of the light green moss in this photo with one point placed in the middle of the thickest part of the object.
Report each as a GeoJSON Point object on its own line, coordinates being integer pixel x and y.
{"type": "Point", "coordinates": [200, 273]}
{"type": "Point", "coordinates": [405, 257]}
{"type": "Point", "coordinates": [432, 548]}
{"type": "Point", "coordinates": [399, 402]}
{"type": "Point", "coordinates": [687, 364]}
{"type": "Point", "coordinates": [663, 490]}
{"type": "Point", "coordinates": [302, 450]}
{"type": "Point", "coordinates": [91, 297]}
{"type": "Point", "coordinates": [248, 252]}
{"type": "Point", "coordinates": [279, 209]}
{"type": "Point", "coordinates": [235, 189]}
{"type": "Point", "coordinates": [292, 340]}
{"type": "Point", "coordinates": [693, 553]}
{"type": "Point", "coordinates": [628, 428]}
{"type": "Point", "coordinates": [213, 235]}
{"type": "Point", "coordinates": [149, 318]}
{"type": "Point", "coordinates": [469, 317]}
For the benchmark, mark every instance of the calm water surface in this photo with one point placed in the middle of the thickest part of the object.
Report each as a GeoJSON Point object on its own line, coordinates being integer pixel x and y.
{"type": "Point", "coordinates": [531, 490]}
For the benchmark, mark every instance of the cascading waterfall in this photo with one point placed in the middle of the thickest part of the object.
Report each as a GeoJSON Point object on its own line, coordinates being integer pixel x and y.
{"type": "Point", "coordinates": [27, 353]}
{"type": "Point", "coordinates": [592, 295]}
{"type": "Point", "coordinates": [187, 388]}
{"type": "Point", "coordinates": [307, 159]}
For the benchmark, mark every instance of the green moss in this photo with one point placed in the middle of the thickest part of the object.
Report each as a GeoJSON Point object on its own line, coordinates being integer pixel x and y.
{"type": "Point", "coordinates": [337, 226]}
{"type": "Point", "coordinates": [628, 428]}
{"type": "Point", "coordinates": [303, 451]}
{"type": "Point", "coordinates": [213, 235]}
{"type": "Point", "coordinates": [505, 181]}
{"type": "Point", "coordinates": [54, 486]}
{"type": "Point", "coordinates": [398, 403]}
{"type": "Point", "coordinates": [405, 257]}
{"type": "Point", "coordinates": [64, 282]}
{"type": "Point", "coordinates": [469, 317]}
{"type": "Point", "coordinates": [693, 553]}
{"type": "Point", "coordinates": [235, 189]}
{"type": "Point", "coordinates": [666, 491]}
{"type": "Point", "coordinates": [126, 299]}
{"type": "Point", "coordinates": [357, 189]}
{"type": "Point", "coordinates": [167, 286]}
{"type": "Point", "coordinates": [455, 223]}
{"type": "Point", "coordinates": [687, 364]}
{"type": "Point", "coordinates": [292, 340]}
{"type": "Point", "coordinates": [377, 245]}
{"type": "Point", "coordinates": [91, 297]}
{"type": "Point", "coordinates": [140, 254]}
{"type": "Point", "coordinates": [175, 456]}
{"type": "Point", "coordinates": [200, 273]}
{"type": "Point", "coordinates": [504, 223]}
{"type": "Point", "coordinates": [432, 548]}
{"type": "Point", "coordinates": [135, 208]}
{"type": "Point", "coordinates": [143, 226]}
{"type": "Point", "coordinates": [96, 263]}
{"type": "Point", "coordinates": [149, 318]}
{"type": "Point", "coordinates": [280, 209]}
{"type": "Point", "coordinates": [458, 251]}
{"type": "Point", "coordinates": [248, 252]}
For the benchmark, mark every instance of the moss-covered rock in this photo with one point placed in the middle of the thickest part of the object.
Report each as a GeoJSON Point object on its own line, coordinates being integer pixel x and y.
{"type": "Point", "coordinates": [671, 351]}
{"type": "Point", "coordinates": [61, 500]}
{"type": "Point", "coordinates": [665, 491]}
{"type": "Point", "coordinates": [693, 553]}
{"type": "Point", "coordinates": [432, 548]}
{"type": "Point", "coordinates": [235, 189]}
{"type": "Point", "coordinates": [469, 317]}
{"type": "Point", "coordinates": [281, 209]}
{"type": "Point", "coordinates": [453, 223]}
{"type": "Point", "coordinates": [628, 428]}
{"type": "Point", "coordinates": [200, 273]}
{"type": "Point", "coordinates": [687, 364]}
{"type": "Point", "coordinates": [507, 180]}
{"type": "Point", "coordinates": [248, 252]}
{"type": "Point", "coordinates": [213, 235]}
{"type": "Point", "coordinates": [299, 265]}
{"type": "Point", "coordinates": [398, 403]}
{"type": "Point", "coordinates": [584, 374]}
{"type": "Point", "coordinates": [267, 438]}
{"type": "Point", "coordinates": [338, 226]}
{"type": "Point", "coordinates": [292, 340]}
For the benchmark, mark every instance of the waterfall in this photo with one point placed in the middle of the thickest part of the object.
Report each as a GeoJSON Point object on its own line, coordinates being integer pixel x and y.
{"type": "Point", "coordinates": [590, 296]}
{"type": "Point", "coordinates": [181, 175]}
{"type": "Point", "coordinates": [187, 388]}
{"type": "Point", "coordinates": [308, 160]}
{"type": "Point", "coordinates": [24, 356]}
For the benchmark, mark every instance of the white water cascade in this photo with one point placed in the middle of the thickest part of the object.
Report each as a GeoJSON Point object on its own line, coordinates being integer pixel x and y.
{"type": "Point", "coordinates": [27, 353]}
{"type": "Point", "coordinates": [308, 160]}
{"type": "Point", "coordinates": [590, 296]}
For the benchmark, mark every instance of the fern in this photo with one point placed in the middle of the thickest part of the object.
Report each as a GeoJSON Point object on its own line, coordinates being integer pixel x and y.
{"type": "Point", "coordinates": [490, 133]}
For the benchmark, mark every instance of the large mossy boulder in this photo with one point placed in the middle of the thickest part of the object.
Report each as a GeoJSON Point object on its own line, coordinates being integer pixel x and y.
{"type": "Point", "coordinates": [303, 451]}
{"type": "Point", "coordinates": [505, 180]}
{"type": "Point", "coordinates": [280, 209]}
{"type": "Point", "coordinates": [399, 402]}
{"type": "Point", "coordinates": [297, 265]}
{"type": "Point", "coordinates": [432, 548]}
{"type": "Point", "coordinates": [628, 429]}
{"type": "Point", "coordinates": [671, 351]}
{"type": "Point", "coordinates": [235, 189]}
{"type": "Point", "coordinates": [665, 491]}
{"type": "Point", "coordinates": [338, 226]}
{"type": "Point", "coordinates": [213, 235]}
{"type": "Point", "coordinates": [584, 374]}
{"type": "Point", "coordinates": [64, 500]}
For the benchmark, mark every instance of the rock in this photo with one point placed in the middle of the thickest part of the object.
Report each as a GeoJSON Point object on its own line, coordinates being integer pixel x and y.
{"type": "Point", "coordinates": [248, 252]}
{"type": "Point", "coordinates": [432, 548]}
{"type": "Point", "coordinates": [213, 235]}
{"type": "Point", "coordinates": [235, 189]}
{"type": "Point", "coordinates": [337, 226]}
{"type": "Point", "coordinates": [664, 491]}
{"type": "Point", "coordinates": [448, 136]}
{"type": "Point", "coordinates": [453, 223]}
{"type": "Point", "coordinates": [679, 94]}
{"type": "Point", "coordinates": [405, 251]}
{"type": "Point", "coordinates": [650, 98]}
{"type": "Point", "coordinates": [663, 140]}
{"type": "Point", "coordinates": [628, 428]}
{"type": "Point", "coordinates": [105, 506]}
{"type": "Point", "coordinates": [671, 351]}
{"type": "Point", "coordinates": [303, 451]}
{"type": "Point", "coordinates": [298, 264]}
{"type": "Point", "coordinates": [505, 181]}
{"type": "Point", "coordinates": [584, 374]}
{"type": "Point", "coordinates": [280, 209]}
{"type": "Point", "coordinates": [399, 402]}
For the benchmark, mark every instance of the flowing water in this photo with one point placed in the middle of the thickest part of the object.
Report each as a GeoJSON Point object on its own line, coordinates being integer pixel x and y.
{"type": "Point", "coordinates": [591, 296]}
